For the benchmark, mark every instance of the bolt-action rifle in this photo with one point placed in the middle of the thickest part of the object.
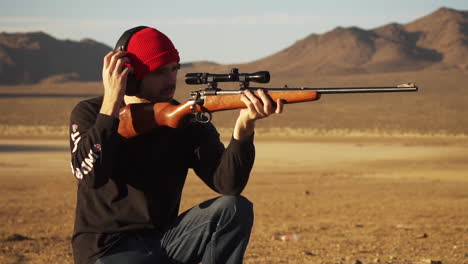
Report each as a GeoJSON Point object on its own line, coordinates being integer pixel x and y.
{"type": "Point", "coordinates": [136, 119]}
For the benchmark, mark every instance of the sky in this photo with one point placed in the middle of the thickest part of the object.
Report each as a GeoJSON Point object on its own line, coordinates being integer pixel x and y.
{"type": "Point", "coordinates": [219, 31]}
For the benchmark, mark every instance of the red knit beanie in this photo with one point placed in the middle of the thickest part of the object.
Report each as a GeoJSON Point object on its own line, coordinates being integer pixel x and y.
{"type": "Point", "coordinates": [149, 49]}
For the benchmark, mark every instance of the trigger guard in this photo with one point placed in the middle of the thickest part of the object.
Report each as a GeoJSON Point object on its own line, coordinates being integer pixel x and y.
{"type": "Point", "coordinates": [203, 117]}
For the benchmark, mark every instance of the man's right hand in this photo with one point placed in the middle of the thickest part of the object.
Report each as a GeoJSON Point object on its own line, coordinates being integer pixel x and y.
{"type": "Point", "coordinates": [114, 78]}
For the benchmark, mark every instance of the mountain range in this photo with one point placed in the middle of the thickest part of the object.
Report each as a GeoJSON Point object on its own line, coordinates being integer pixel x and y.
{"type": "Point", "coordinates": [436, 41]}
{"type": "Point", "coordinates": [37, 56]}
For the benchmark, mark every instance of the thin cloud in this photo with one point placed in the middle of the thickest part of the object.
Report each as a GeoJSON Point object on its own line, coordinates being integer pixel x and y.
{"type": "Point", "coordinates": [262, 19]}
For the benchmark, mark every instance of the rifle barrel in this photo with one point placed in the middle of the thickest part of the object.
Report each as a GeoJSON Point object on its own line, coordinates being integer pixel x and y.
{"type": "Point", "coordinates": [409, 87]}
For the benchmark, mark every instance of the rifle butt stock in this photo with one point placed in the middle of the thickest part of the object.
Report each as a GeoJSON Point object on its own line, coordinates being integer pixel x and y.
{"type": "Point", "coordinates": [136, 119]}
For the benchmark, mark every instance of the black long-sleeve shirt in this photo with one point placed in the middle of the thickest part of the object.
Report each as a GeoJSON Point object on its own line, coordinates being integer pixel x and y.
{"type": "Point", "coordinates": [132, 185]}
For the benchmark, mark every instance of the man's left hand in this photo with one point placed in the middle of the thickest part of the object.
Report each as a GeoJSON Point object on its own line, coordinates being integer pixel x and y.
{"type": "Point", "coordinates": [258, 106]}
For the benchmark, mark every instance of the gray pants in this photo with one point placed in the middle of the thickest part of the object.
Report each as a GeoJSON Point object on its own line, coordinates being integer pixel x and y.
{"type": "Point", "coordinates": [215, 231]}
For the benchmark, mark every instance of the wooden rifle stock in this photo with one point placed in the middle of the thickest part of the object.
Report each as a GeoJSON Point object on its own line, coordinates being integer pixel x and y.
{"type": "Point", "coordinates": [136, 119]}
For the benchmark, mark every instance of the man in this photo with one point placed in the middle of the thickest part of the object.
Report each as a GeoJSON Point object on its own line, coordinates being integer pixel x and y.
{"type": "Point", "coordinates": [129, 190]}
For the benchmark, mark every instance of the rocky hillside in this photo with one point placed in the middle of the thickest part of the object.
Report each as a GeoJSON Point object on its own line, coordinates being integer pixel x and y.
{"type": "Point", "coordinates": [437, 41]}
{"type": "Point", "coordinates": [31, 57]}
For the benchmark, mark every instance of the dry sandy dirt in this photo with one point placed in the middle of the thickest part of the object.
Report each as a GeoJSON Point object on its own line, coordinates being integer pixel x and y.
{"type": "Point", "coordinates": [341, 199]}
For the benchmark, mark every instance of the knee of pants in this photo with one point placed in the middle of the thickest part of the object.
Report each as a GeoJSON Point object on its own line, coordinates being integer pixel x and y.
{"type": "Point", "coordinates": [239, 205]}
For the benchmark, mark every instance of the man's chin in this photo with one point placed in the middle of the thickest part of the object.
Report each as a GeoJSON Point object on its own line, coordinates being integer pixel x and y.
{"type": "Point", "coordinates": [167, 97]}
{"type": "Point", "coordinates": [161, 99]}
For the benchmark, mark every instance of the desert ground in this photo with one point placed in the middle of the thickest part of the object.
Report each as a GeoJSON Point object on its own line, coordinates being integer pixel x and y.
{"type": "Point", "coordinates": [340, 199]}
{"type": "Point", "coordinates": [350, 179]}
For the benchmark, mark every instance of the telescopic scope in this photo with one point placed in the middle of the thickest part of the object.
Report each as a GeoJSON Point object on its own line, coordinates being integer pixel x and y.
{"type": "Point", "coordinates": [234, 76]}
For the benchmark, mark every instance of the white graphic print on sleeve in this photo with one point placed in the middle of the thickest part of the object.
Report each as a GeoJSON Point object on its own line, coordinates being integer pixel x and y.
{"type": "Point", "coordinates": [87, 164]}
{"type": "Point", "coordinates": [75, 137]}
{"type": "Point", "coordinates": [78, 174]}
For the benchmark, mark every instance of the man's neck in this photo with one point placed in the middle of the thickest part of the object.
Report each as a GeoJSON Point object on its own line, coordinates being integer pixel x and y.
{"type": "Point", "coordinates": [134, 100]}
